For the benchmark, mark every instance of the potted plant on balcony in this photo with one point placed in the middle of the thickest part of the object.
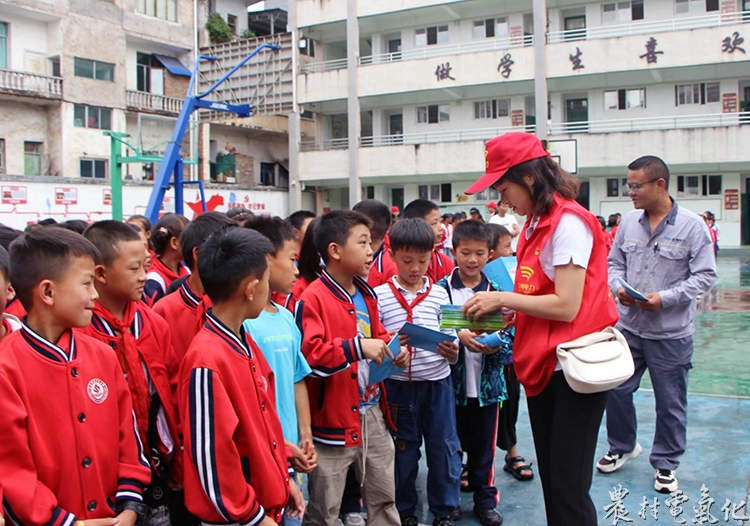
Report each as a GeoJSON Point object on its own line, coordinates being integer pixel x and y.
{"type": "Point", "coordinates": [218, 29]}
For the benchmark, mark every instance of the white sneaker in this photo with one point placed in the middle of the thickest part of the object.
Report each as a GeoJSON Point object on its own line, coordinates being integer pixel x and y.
{"type": "Point", "coordinates": [611, 462]}
{"type": "Point", "coordinates": [666, 481]}
{"type": "Point", "coordinates": [354, 519]}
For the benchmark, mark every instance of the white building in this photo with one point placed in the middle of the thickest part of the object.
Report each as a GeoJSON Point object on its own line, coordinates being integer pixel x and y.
{"type": "Point", "coordinates": [406, 92]}
{"type": "Point", "coordinates": [71, 70]}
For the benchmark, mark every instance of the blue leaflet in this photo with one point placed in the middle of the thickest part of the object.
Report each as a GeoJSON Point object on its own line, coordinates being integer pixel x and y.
{"type": "Point", "coordinates": [378, 373]}
{"type": "Point", "coordinates": [424, 338]}
{"type": "Point", "coordinates": [630, 290]}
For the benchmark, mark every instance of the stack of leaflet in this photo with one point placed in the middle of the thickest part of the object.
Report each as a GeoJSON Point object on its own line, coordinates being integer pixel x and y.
{"type": "Point", "coordinates": [454, 319]}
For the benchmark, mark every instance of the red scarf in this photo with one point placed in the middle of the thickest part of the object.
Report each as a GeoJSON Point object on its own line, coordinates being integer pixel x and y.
{"type": "Point", "coordinates": [409, 308]}
{"type": "Point", "coordinates": [132, 363]}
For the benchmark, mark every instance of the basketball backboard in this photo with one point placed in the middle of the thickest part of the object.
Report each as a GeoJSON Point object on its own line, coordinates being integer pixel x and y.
{"type": "Point", "coordinates": [565, 153]}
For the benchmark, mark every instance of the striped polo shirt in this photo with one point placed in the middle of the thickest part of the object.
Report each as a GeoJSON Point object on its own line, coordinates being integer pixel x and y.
{"type": "Point", "coordinates": [425, 365]}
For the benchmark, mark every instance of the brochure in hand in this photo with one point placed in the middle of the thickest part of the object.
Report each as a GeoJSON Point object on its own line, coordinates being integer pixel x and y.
{"type": "Point", "coordinates": [424, 338]}
{"type": "Point", "coordinates": [454, 319]}
{"type": "Point", "coordinates": [502, 271]}
{"type": "Point", "coordinates": [378, 373]}
{"type": "Point", "coordinates": [630, 290]}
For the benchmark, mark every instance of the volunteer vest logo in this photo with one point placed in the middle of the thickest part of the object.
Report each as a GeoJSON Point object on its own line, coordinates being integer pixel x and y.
{"type": "Point", "coordinates": [98, 391]}
{"type": "Point", "coordinates": [526, 272]}
{"type": "Point", "coordinates": [486, 161]}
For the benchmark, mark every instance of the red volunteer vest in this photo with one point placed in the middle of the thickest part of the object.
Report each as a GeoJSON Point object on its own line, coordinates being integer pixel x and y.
{"type": "Point", "coordinates": [536, 338]}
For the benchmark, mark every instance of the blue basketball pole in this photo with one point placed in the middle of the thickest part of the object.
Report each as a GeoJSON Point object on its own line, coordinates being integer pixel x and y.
{"type": "Point", "coordinates": [171, 167]}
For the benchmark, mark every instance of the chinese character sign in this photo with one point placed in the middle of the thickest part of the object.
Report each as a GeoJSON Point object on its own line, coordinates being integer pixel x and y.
{"type": "Point", "coordinates": [443, 71]}
{"type": "Point", "coordinates": [732, 43]}
{"type": "Point", "coordinates": [651, 54]}
{"type": "Point", "coordinates": [576, 59]}
{"type": "Point", "coordinates": [504, 67]}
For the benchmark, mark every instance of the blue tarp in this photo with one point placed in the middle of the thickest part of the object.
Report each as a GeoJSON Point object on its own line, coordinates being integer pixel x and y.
{"type": "Point", "coordinates": [173, 65]}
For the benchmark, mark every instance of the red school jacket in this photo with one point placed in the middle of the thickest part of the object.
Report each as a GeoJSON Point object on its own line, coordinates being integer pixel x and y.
{"type": "Point", "coordinates": [154, 346]}
{"type": "Point", "coordinates": [534, 350]}
{"type": "Point", "coordinates": [69, 449]}
{"type": "Point", "coordinates": [327, 318]}
{"type": "Point", "coordinates": [235, 459]}
{"type": "Point", "coordinates": [184, 311]}
{"type": "Point", "coordinates": [158, 280]}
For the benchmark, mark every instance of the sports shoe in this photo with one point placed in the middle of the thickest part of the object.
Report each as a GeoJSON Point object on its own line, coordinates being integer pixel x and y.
{"type": "Point", "coordinates": [353, 519]}
{"type": "Point", "coordinates": [488, 516]}
{"type": "Point", "coordinates": [666, 481]}
{"type": "Point", "coordinates": [442, 521]}
{"type": "Point", "coordinates": [411, 520]}
{"type": "Point", "coordinates": [611, 462]}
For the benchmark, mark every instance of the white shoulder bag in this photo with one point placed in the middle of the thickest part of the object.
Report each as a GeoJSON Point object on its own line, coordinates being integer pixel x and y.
{"type": "Point", "coordinates": [596, 362]}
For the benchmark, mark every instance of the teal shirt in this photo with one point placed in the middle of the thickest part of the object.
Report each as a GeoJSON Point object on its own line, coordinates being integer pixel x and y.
{"type": "Point", "coordinates": [279, 340]}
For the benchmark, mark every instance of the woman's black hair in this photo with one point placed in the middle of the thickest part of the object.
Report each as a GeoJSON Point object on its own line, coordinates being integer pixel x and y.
{"type": "Point", "coordinates": [549, 179]}
{"type": "Point", "coordinates": [612, 220]}
{"type": "Point", "coordinates": [309, 259]}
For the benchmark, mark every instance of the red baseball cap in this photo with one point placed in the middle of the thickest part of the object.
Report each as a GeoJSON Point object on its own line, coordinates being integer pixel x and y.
{"type": "Point", "coordinates": [505, 152]}
{"type": "Point", "coordinates": [394, 209]}
{"type": "Point", "coordinates": [491, 205]}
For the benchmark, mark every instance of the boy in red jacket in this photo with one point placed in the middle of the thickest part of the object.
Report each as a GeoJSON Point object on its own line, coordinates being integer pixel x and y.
{"type": "Point", "coordinates": [236, 468]}
{"type": "Point", "coordinates": [184, 310]}
{"type": "Point", "coordinates": [8, 322]}
{"type": "Point", "coordinates": [341, 334]}
{"type": "Point", "coordinates": [141, 341]}
{"type": "Point", "coordinates": [384, 268]}
{"type": "Point", "coordinates": [69, 449]}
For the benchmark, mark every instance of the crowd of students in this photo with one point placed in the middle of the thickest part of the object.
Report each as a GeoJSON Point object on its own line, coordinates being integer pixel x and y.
{"type": "Point", "coordinates": [188, 372]}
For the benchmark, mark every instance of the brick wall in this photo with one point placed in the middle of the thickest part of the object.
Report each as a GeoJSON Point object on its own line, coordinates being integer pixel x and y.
{"type": "Point", "coordinates": [175, 85]}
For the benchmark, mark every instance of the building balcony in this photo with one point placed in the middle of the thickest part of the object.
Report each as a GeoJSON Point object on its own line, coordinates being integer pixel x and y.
{"type": "Point", "coordinates": [639, 55]}
{"type": "Point", "coordinates": [150, 103]}
{"type": "Point", "coordinates": [21, 83]}
{"type": "Point", "coordinates": [604, 148]}
{"type": "Point", "coordinates": [648, 27]}
{"type": "Point", "coordinates": [470, 64]}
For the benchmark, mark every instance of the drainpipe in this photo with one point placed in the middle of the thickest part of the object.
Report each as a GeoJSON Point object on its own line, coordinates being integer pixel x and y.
{"type": "Point", "coordinates": [540, 67]}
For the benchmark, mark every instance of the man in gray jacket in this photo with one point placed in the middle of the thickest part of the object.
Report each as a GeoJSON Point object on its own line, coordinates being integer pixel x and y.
{"type": "Point", "coordinates": [664, 252]}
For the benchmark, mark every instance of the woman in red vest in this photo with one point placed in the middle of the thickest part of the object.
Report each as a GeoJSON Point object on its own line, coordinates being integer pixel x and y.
{"type": "Point", "coordinates": [561, 293]}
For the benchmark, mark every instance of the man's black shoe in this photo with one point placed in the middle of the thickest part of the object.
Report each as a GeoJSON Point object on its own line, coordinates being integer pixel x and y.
{"type": "Point", "coordinates": [489, 517]}
{"type": "Point", "coordinates": [411, 520]}
{"type": "Point", "coordinates": [457, 515]}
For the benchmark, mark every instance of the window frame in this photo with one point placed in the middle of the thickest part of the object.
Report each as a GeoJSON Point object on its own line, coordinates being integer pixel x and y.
{"type": "Point", "coordinates": [433, 114]}
{"type": "Point", "coordinates": [5, 30]}
{"type": "Point", "coordinates": [438, 34]}
{"type": "Point", "coordinates": [621, 97]}
{"type": "Point", "coordinates": [36, 155]}
{"type": "Point", "coordinates": [87, 117]}
{"type": "Point", "coordinates": [162, 9]}
{"type": "Point", "coordinates": [94, 162]}
{"type": "Point", "coordinates": [80, 62]}
{"type": "Point", "coordinates": [704, 184]}
{"type": "Point", "coordinates": [700, 93]}
{"type": "Point", "coordinates": [491, 109]}
{"type": "Point", "coordinates": [2, 155]}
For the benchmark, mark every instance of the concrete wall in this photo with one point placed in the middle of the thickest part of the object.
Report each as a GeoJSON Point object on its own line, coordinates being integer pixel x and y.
{"type": "Point", "coordinates": [262, 149]}
{"type": "Point", "coordinates": [27, 43]}
{"type": "Point", "coordinates": [20, 123]}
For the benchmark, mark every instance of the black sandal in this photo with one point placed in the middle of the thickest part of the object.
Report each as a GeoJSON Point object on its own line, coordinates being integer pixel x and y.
{"type": "Point", "coordinates": [517, 472]}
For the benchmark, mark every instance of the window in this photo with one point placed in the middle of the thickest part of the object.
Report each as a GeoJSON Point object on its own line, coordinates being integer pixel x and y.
{"type": "Point", "coordinates": [3, 45]}
{"type": "Point", "coordinates": [490, 194]}
{"type": "Point", "coordinates": [433, 113]}
{"type": "Point", "coordinates": [696, 6]}
{"type": "Point", "coordinates": [622, 12]}
{"type": "Point", "coordinates": [2, 156]}
{"type": "Point", "coordinates": [93, 69]}
{"type": "Point", "coordinates": [92, 117]}
{"type": "Point", "coordinates": [423, 191]}
{"type": "Point", "coordinates": [613, 187]}
{"type": "Point", "coordinates": [703, 93]}
{"type": "Point", "coordinates": [446, 193]}
{"type": "Point", "coordinates": [491, 109]}
{"type": "Point", "coordinates": [491, 28]}
{"type": "Point", "coordinates": [93, 168]}
{"type": "Point", "coordinates": [232, 23]}
{"type": "Point", "coordinates": [430, 36]}
{"type": "Point", "coordinates": [699, 185]}
{"type": "Point", "coordinates": [54, 64]}
{"type": "Point", "coordinates": [625, 99]}
{"type": "Point", "coordinates": [149, 74]}
{"type": "Point", "coordinates": [434, 192]}
{"type": "Point", "coordinates": [32, 158]}
{"type": "Point", "coordinates": [429, 192]}
{"type": "Point", "coordinates": [165, 9]}
{"type": "Point", "coordinates": [267, 174]}
{"type": "Point", "coordinates": [368, 192]}
{"type": "Point", "coordinates": [307, 46]}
